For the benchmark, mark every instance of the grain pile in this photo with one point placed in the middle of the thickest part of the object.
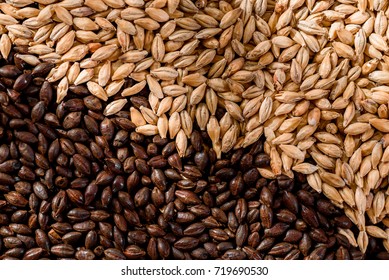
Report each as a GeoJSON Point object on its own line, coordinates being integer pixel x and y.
{"type": "Point", "coordinates": [310, 75]}
{"type": "Point", "coordinates": [77, 185]}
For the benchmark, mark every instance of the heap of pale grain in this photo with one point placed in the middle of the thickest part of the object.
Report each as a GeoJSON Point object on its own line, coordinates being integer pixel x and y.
{"type": "Point", "coordinates": [309, 75]}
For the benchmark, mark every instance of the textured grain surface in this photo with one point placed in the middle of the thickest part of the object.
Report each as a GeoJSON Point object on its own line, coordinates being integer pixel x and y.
{"type": "Point", "coordinates": [312, 76]}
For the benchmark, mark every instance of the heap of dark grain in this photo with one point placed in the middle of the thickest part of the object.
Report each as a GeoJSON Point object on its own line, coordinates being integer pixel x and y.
{"type": "Point", "coordinates": [76, 184]}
